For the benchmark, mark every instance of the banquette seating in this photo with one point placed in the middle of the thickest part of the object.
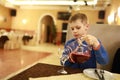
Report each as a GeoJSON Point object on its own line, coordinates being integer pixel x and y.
{"type": "Point", "coordinates": [109, 36]}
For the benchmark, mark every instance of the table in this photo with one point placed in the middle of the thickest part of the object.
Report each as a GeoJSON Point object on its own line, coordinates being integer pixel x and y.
{"type": "Point", "coordinates": [26, 39]}
{"type": "Point", "coordinates": [3, 39]}
{"type": "Point", "coordinates": [78, 76]}
{"type": "Point", "coordinates": [43, 70]}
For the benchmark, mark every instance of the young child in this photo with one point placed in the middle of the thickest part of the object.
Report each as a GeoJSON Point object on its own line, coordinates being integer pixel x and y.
{"type": "Point", "coordinates": [79, 27]}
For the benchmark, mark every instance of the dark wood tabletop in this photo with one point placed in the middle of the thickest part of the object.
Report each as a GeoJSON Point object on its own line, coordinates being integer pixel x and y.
{"type": "Point", "coordinates": [43, 70]}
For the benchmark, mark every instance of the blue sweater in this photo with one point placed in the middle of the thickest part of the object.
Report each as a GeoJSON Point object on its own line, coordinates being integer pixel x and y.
{"type": "Point", "coordinates": [100, 56]}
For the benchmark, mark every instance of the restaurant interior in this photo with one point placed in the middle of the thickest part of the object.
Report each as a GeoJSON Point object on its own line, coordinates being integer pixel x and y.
{"type": "Point", "coordinates": [32, 31]}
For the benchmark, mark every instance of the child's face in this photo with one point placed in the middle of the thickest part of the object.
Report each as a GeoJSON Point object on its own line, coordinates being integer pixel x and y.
{"type": "Point", "coordinates": [78, 28]}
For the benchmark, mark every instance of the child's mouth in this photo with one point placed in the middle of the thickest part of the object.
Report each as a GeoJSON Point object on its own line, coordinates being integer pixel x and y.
{"type": "Point", "coordinates": [75, 35]}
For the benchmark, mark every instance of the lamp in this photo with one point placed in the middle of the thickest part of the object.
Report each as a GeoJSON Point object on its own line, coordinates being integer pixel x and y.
{"type": "Point", "coordinates": [3, 19]}
{"type": "Point", "coordinates": [24, 21]}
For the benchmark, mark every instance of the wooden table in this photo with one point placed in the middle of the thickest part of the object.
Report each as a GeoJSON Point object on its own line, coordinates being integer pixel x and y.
{"type": "Point", "coordinates": [43, 70]}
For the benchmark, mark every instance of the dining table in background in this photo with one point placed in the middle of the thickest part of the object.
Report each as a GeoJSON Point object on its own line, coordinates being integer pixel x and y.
{"type": "Point", "coordinates": [26, 39]}
{"type": "Point", "coordinates": [3, 39]}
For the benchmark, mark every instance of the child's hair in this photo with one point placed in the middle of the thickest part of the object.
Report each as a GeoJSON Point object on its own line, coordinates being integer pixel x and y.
{"type": "Point", "coordinates": [80, 16]}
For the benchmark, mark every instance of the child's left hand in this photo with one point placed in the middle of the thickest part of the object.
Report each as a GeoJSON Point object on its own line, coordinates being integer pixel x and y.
{"type": "Point", "coordinates": [91, 40]}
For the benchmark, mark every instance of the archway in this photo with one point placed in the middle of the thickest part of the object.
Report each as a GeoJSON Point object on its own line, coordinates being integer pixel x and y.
{"type": "Point", "coordinates": [44, 34]}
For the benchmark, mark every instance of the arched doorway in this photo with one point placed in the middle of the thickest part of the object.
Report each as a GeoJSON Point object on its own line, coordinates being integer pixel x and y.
{"type": "Point", "coordinates": [46, 28]}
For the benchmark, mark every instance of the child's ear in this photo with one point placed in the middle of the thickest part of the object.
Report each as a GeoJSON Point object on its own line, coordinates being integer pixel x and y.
{"type": "Point", "coordinates": [87, 26]}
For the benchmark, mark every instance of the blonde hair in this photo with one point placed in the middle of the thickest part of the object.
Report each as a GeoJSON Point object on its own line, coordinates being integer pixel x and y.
{"type": "Point", "coordinates": [80, 16]}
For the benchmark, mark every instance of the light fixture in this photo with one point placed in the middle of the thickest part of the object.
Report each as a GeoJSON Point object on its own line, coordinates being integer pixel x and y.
{"type": "Point", "coordinates": [111, 19]}
{"type": "Point", "coordinates": [24, 21]}
{"type": "Point", "coordinates": [2, 19]}
{"type": "Point", "coordinates": [53, 2]}
{"type": "Point", "coordinates": [86, 4]}
{"type": "Point", "coordinates": [118, 12]}
{"type": "Point", "coordinates": [70, 9]}
{"type": "Point", "coordinates": [75, 0]}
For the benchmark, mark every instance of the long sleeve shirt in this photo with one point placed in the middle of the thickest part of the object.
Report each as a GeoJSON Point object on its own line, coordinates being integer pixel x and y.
{"type": "Point", "coordinates": [100, 56]}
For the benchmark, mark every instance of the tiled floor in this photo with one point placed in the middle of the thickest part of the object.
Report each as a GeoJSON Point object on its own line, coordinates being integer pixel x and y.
{"type": "Point", "coordinates": [15, 61]}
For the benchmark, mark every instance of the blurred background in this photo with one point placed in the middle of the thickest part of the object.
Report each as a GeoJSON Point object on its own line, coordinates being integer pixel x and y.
{"type": "Point", "coordinates": [47, 20]}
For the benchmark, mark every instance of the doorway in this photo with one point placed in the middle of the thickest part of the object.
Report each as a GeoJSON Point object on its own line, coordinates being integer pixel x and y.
{"type": "Point", "coordinates": [46, 29]}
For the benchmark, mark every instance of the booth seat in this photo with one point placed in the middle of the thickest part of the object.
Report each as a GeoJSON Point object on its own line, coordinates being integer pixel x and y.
{"type": "Point", "coordinates": [109, 36]}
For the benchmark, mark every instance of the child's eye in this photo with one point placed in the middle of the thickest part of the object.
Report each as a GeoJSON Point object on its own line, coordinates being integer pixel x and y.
{"type": "Point", "coordinates": [72, 28]}
{"type": "Point", "coordinates": [78, 27]}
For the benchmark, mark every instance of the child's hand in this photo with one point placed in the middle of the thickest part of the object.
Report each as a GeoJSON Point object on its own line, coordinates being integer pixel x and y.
{"type": "Point", "coordinates": [91, 40]}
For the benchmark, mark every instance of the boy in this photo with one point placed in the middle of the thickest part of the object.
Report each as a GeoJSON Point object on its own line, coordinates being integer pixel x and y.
{"type": "Point", "coordinates": [79, 27]}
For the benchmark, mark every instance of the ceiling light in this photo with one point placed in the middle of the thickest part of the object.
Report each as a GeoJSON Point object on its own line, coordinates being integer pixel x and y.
{"type": "Point", "coordinates": [75, 0]}
{"type": "Point", "coordinates": [85, 3]}
{"type": "Point", "coordinates": [40, 2]}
